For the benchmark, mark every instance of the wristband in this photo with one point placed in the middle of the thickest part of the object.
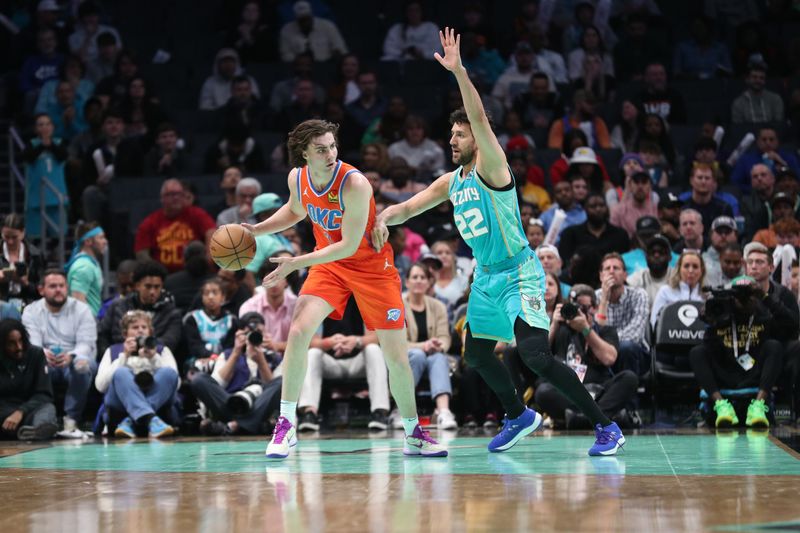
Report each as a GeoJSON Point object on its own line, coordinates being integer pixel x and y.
{"type": "Point", "coordinates": [586, 331]}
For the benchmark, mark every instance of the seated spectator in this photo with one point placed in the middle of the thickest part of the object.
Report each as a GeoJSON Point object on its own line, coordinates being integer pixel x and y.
{"type": "Point", "coordinates": [702, 199]}
{"type": "Point", "coordinates": [529, 179]}
{"type": "Point", "coordinates": [230, 179]}
{"type": "Point", "coordinates": [669, 213]}
{"type": "Point", "coordinates": [236, 148]}
{"type": "Point", "coordinates": [551, 264]}
{"type": "Point", "coordinates": [701, 56]}
{"type": "Point", "coordinates": [216, 90]}
{"type": "Point", "coordinates": [303, 106]}
{"type": "Point", "coordinates": [246, 366]}
{"type": "Point", "coordinates": [705, 152]}
{"type": "Point", "coordinates": [346, 350]}
{"type": "Point", "coordinates": [66, 331]}
{"type": "Point", "coordinates": [784, 230]}
{"type": "Point", "coordinates": [139, 382]}
{"type": "Point", "coordinates": [166, 158]}
{"type": "Point", "coordinates": [243, 108]}
{"type": "Point", "coordinates": [546, 60]}
{"type": "Point", "coordinates": [450, 284]}
{"type": "Point", "coordinates": [148, 296]}
{"type": "Point", "coordinates": [637, 48]}
{"type": "Point", "coordinates": [757, 104]}
{"type": "Point", "coordinates": [654, 131]}
{"type": "Point", "coordinates": [626, 309]}
{"type": "Point", "coordinates": [264, 206]}
{"type": "Point", "coordinates": [83, 41]}
{"type": "Point", "coordinates": [26, 395]}
{"type": "Point", "coordinates": [685, 284]}
{"type": "Point", "coordinates": [635, 260]}
{"type": "Point", "coordinates": [480, 61]}
{"type": "Point", "coordinates": [210, 330]}
{"type": "Point", "coordinates": [283, 92]}
{"type": "Point", "coordinates": [718, 364]}
{"type": "Point", "coordinates": [759, 265]}
{"type": "Point", "coordinates": [691, 231]}
{"type": "Point", "coordinates": [768, 152]}
{"type": "Point", "coordinates": [246, 192]}
{"type": "Point", "coordinates": [538, 107]}
{"type": "Point", "coordinates": [185, 284]}
{"type": "Point", "coordinates": [565, 201]}
{"type": "Point", "coordinates": [44, 159]}
{"type": "Point", "coordinates": [591, 43]}
{"type": "Point", "coordinates": [592, 79]}
{"type": "Point", "coordinates": [235, 291]}
{"type": "Point", "coordinates": [141, 112]}
{"type": "Point", "coordinates": [590, 349]}
{"type": "Point", "coordinates": [43, 66]}
{"type": "Point", "coordinates": [374, 157]}
{"type": "Point", "coordinates": [80, 144]}
{"type": "Point", "coordinates": [637, 202]}
{"type": "Point", "coordinates": [581, 115]}
{"type": "Point", "coordinates": [512, 137]}
{"type": "Point", "coordinates": [252, 37]}
{"type": "Point", "coordinates": [584, 162]}
{"type": "Point", "coordinates": [401, 183]}
{"type": "Point", "coordinates": [429, 341]}
{"type": "Point", "coordinates": [731, 266]}
{"type": "Point", "coordinates": [659, 98]}
{"type": "Point", "coordinates": [275, 306]}
{"type": "Point", "coordinates": [163, 234]}
{"type": "Point", "coordinates": [585, 16]}
{"type": "Point", "coordinates": [516, 78]}
{"type": "Point", "coordinates": [723, 232]}
{"type": "Point", "coordinates": [124, 284]}
{"type": "Point", "coordinates": [788, 183]}
{"type": "Point", "coordinates": [113, 88]}
{"type": "Point", "coordinates": [535, 232]}
{"type": "Point", "coordinates": [102, 66]}
{"type": "Point", "coordinates": [66, 112]}
{"type": "Point", "coordinates": [413, 38]}
{"type": "Point", "coordinates": [424, 156]}
{"type": "Point", "coordinates": [73, 71]}
{"type": "Point", "coordinates": [755, 207]}
{"type": "Point", "coordinates": [84, 274]}
{"type": "Point", "coordinates": [658, 252]}
{"type": "Point", "coordinates": [596, 232]}
{"type": "Point", "coordinates": [625, 134]}
{"type": "Point", "coordinates": [573, 139]}
{"type": "Point", "coordinates": [309, 34]}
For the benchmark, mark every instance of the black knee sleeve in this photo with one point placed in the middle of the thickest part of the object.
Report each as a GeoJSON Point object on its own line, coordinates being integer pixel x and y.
{"type": "Point", "coordinates": [534, 350]}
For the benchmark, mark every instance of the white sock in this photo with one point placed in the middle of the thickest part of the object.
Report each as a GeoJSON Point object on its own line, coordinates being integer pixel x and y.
{"type": "Point", "coordinates": [289, 411]}
{"type": "Point", "coordinates": [409, 424]}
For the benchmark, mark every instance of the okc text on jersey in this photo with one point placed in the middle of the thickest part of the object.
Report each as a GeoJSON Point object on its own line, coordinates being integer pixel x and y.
{"type": "Point", "coordinates": [329, 219]}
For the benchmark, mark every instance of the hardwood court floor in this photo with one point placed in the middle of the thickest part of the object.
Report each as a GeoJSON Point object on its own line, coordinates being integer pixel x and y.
{"type": "Point", "coordinates": [687, 481]}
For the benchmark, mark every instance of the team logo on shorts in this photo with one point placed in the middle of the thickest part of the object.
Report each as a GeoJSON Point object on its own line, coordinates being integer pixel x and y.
{"type": "Point", "coordinates": [393, 315]}
{"type": "Point", "coordinates": [534, 301]}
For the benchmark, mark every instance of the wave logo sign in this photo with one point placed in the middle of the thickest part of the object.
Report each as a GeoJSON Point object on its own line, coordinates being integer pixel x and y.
{"type": "Point", "coordinates": [687, 314]}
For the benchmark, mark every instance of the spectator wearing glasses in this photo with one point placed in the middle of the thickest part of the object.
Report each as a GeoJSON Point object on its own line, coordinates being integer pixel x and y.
{"type": "Point", "coordinates": [246, 192]}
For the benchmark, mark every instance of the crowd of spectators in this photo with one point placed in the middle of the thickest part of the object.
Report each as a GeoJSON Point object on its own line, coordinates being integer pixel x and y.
{"type": "Point", "coordinates": [630, 201]}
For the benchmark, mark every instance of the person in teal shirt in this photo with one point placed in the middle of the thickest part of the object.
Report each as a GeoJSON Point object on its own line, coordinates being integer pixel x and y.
{"type": "Point", "coordinates": [84, 275]}
{"type": "Point", "coordinates": [264, 205]}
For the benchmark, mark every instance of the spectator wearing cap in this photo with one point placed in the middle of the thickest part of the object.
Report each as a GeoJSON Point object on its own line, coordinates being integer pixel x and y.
{"type": "Point", "coordinates": [565, 201]}
{"type": "Point", "coordinates": [691, 231]}
{"type": "Point", "coordinates": [636, 260]}
{"type": "Point", "coordinates": [756, 104]}
{"type": "Point", "coordinates": [658, 252]}
{"type": "Point", "coordinates": [264, 206]}
{"type": "Point", "coordinates": [573, 140]}
{"type": "Point", "coordinates": [702, 199]}
{"type": "Point", "coordinates": [551, 263]}
{"type": "Point", "coordinates": [585, 163]}
{"type": "Point", "coordinates": [723, 232]}
{"type": "Point", "coordinates": [216, 89]}
{"type": "Point", "coordinates": [767, 151]}
{"type": "Point", "coordinates": [581, 116]}
{"type": "Point", "coordinates": [637, 202]}
{"type": "Point", "coordinates": [669, 212]}
{"type": "Point", "coordinates": [756, 208]}
{"type": "Point", "coordinates": [731, 266]}
{"type": "Point", "coordinates": [685, 284]}
{"type": "Point", "coordinates": [516, 78]}
{"type": "Point", "coordinates": [309, 34]}
{"type": "Point", "coordinates": [246, 192]}
{"type": "Point", "coordinates": [626, 309]}
{"type": "Point", "coordinates": [783, 221]}
{"type": "Point", "coordinates": [596, 232]}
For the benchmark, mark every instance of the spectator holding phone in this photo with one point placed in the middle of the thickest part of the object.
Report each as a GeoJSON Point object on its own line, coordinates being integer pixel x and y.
{"type": "Point", "coordinates": [21, 263]}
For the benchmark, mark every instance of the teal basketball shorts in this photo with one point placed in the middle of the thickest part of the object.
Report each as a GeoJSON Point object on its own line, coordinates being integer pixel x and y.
{"type": "Point", "coordinates": [504, 291]}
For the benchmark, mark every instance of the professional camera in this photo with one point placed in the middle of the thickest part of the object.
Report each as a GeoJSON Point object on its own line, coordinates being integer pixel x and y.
{"type": "Point", "coordinates": [724, 303]}
{"type": "Point", "coordinates": [569, 311]}
{"type": "Point", "coordinates": [254, 337]}
{"type": "Point", "coordinates": [148, 342]}
{"type": "Point", "coordinates": [241, 402]}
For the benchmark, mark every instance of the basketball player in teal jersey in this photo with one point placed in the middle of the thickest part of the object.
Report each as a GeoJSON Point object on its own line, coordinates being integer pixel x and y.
{"type": "Point", "coordinates": [507, 297]}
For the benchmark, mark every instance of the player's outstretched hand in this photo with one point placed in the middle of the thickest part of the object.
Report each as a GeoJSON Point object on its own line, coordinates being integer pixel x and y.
{"type": "Point", "coordinates": [380, 234]}
{"type": "Point", "coordinates": [285, 267]}
{"type": "Point", "coordinates": [451, 43]}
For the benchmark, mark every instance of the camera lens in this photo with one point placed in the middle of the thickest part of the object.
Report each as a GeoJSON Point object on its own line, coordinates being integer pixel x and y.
{"type": "Point", "coordinates": [255, 338]}
{"type": "Point", "coordinates": [569, 311]}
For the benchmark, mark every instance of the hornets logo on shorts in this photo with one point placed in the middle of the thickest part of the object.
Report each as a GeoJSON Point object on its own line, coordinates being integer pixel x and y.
{"type": "Point", "coordinates": [533, 301]}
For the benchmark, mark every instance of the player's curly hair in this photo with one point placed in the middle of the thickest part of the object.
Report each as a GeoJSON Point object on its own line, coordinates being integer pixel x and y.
{"type": "Point", "coordinates": [301, 136]}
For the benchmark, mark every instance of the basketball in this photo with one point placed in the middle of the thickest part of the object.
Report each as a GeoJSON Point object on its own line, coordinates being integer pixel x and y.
{"type": "Point", "coordinates": [233, 247]}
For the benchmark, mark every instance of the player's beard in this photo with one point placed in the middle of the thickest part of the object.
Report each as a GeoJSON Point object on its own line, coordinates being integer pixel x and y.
{"type": "Point", "coordinates": [463, 157]}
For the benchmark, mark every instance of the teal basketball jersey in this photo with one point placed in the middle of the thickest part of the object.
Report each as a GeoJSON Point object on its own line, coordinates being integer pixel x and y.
{"type": "Point", "coordinates": [488, 219]}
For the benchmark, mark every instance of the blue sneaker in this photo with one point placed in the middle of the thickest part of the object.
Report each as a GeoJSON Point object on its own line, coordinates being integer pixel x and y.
{"type": "Point", "coordinates": [516, 429]}
{"type": "Point", "coordinates": [159, 428]}
{"type": "Point", "coordinates": [608, 440]}
{"type": "Point", "coordinates": [125, 429]}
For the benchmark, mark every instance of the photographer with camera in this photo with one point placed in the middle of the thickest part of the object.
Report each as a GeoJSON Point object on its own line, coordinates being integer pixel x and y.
{"type": "Point", "coordinates": [739, 350]}
{"type": "Point", "coordinates": [139, 379]}
{"type": "Point", "coordinates": [21, 263]}
{"type": "Point", "coordinates": [243, 389]}
{"type": "Point", "coordinates": [590, 350]}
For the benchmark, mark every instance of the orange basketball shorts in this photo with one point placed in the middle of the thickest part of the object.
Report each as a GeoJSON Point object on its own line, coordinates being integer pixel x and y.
{"type": "Point", "coordinates": [373, 282]}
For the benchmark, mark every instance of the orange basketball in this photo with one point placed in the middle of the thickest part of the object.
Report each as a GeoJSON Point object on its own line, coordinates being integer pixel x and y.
{"type": "Point", "coordinates": [233, 247]}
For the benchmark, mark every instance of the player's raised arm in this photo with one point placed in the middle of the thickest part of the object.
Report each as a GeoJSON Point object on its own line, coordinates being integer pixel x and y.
{"type": "Point", "coordinates": [491, 164]}
{"type": "Point", "coordinates": [287, 216]}
{"type": "Point", "coordinates": [393, 215]}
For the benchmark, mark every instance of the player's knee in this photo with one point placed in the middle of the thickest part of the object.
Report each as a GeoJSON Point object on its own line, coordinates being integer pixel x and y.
{"type": "Point", "coordinates": [535, 352]}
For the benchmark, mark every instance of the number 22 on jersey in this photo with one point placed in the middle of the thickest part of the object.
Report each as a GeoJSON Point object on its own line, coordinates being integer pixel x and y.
{"type": "Point", "coordinates": [470, 223]}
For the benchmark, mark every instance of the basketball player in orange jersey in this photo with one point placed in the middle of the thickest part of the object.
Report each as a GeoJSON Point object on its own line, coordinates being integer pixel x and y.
{"type": "Point", "coordinates": [338, 200]}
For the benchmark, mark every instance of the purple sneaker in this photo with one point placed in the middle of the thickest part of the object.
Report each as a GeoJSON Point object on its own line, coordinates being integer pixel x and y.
{"type": "Point", "coordinates": [421, 443]}
{"type": "Point", "coordinates": [283, 438]}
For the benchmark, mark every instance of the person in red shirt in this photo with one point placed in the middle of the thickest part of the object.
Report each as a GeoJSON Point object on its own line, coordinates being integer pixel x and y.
{"type": "Point", "coordinates": [163, 235]}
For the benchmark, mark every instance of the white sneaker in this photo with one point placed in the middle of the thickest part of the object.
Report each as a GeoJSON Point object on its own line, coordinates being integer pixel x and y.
{"type": "Point", "coordinates": [70, 430]}
{"type": "Point", "coordinates": [421, 443]}
{"type": "Point", "coordinates": [446, 420]}
{"type": "Point", "coordinates": [283, 438]}
{"type": "Point", "coordinates": [395, 420]}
